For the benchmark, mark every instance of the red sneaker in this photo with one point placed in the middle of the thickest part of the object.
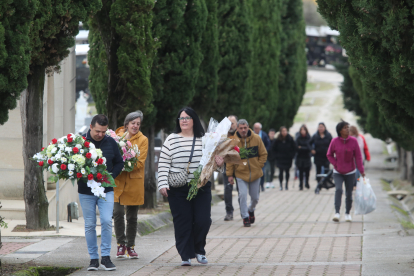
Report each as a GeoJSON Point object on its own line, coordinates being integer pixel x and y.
{"type": "Point", "coordinates": [121, 251]}
{"type": "Point", "coordinates": [131, 253]}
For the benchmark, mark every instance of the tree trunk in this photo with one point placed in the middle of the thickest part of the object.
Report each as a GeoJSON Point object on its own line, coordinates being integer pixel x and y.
{"type": "Point", "coordinates": [31, 109]}
{"type": "Point", "coordinates": [150, 197]}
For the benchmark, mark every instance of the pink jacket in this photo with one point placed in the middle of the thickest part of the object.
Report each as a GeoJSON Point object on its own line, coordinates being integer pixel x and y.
{"type": "Point", "coordinates": [343, 154]}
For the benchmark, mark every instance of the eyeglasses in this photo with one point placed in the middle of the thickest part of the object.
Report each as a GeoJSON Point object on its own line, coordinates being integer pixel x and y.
{"type": "Point", "coordinates": [184, 118]}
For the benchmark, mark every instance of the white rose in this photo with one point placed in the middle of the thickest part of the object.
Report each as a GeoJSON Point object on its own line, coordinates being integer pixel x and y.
{"type": "Point", "coordinates": [71, 167]}
{"type": "Point", "coordinates": [104, 160]}
{"type": "Point", "coordinates": [58, 156]}
{"type": "Point", "coordinates": [122, 144]}
{"type": "Point", "coordinates": [70, 173]}
{"type": "Point", "coordinates": [54, 150]}
{"type": "Point", "coordinates": [83, 171]}
{"type": "Point", "coordinates": [129, 164]}
{"type": "Point", "coordinates": [55, 168]}
{"type": "Point", "coordinates": [91, 146]}
{"type": "Point", "coordinates": [79, 146]}
{"type": "Point", "coordinates": [68, 149]}
{"type": "Point", "coordinates": [94, 154]}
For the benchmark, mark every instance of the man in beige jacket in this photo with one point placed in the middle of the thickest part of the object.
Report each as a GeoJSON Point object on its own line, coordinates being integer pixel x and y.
{"type": "Point", "coordinates": [249, 173]}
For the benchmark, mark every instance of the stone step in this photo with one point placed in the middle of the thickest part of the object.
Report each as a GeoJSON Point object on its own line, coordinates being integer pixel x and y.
{"type": "Point", "coordinates": [13, 209]}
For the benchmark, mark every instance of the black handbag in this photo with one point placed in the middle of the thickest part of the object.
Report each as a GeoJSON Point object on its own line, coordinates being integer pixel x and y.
{"type": "Point", "coordinates": [179, 179]}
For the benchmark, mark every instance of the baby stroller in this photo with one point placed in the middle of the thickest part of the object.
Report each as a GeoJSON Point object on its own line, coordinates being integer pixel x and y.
{"type": "Point", "coordinates": [326, 181]}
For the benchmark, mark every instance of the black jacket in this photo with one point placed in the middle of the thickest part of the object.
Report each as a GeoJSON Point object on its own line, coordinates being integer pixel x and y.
{"type": "Point", "coordinates": [303, 157]}
{"type": "Point", "coordinates": [321, 145]}
{"type": "Point", "coordinates": [283, 151]}
{"type": "Point", "coordinates": [114, 161]}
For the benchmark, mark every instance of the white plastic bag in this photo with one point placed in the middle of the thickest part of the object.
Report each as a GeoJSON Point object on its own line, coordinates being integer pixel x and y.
{"type": "Point", "coordinates": [365, 199]}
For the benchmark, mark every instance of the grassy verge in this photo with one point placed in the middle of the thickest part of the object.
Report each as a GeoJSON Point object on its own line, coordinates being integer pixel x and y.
{"type": "Point", "coordinates": [319, 86]}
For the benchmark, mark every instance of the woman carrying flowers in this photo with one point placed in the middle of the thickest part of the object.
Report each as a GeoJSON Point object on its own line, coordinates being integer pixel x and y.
{"type": "Point", "coordinates": [129, 190]}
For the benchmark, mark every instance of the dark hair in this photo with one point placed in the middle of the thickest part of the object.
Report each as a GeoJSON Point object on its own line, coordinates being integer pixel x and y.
{"type": "Point", "coordinates": [272, 129]}
{"type": "Point", "coordinates": [305, 128]}
{"type": "Point", "coordinates": [340, 126]}
{"type": "Point", "coordinates": [197, 127]}
{"type": "Point", "coordinates": [101, 119]}
{"type": "Point", "coordinates": [280, 137]}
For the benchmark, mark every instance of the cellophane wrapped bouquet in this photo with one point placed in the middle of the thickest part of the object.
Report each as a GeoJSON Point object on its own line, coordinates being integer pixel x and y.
{"type": "Point", "coordinates": [73, 157]}
{"type": "Point", "coordinates": [215, 142]}
{"type": "Point", "coordinates": [129, 152]}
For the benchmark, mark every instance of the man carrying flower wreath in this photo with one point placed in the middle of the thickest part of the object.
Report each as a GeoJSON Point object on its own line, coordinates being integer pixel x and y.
{"type": "Point", "coordinates": [96, 138]}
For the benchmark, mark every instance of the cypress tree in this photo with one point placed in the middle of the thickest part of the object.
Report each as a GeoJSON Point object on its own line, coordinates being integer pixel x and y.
{"type": "Point", "coordinates": [179, 26]}
{"type": "Point", "coordinates": [206, 86]}
{"type": "Point", "coordinates": [378, 37]}
{"type": "Point", "coordinates": [263, 100]}
{"type": "Point", "coordinates": [293, 67]}
{"type": "Point", "coordinates": [235, 50]}
{"type": "Point", "coordinates": [15, 21]}
{"type": "Point", "coordinates": [122, 52]}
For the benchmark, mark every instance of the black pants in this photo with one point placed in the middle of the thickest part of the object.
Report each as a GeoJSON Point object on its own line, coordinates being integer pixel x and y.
{"type": "Point", "coordinates": [286, 171]}
{"type": "Point", "coordinates": [228, 195]}
{"type": "Point", "coordinates": [272, 170]}
{"type": "Point", "coordinates": [192, 220]}
{"type": "Point", "coordinates": [119, 224]}
{"type": "Point", "coordinates": [304, 173]}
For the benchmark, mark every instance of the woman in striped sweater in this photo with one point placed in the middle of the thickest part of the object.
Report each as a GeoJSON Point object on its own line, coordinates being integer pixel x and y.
{"type": "Point", "coordinates": [192, 219]}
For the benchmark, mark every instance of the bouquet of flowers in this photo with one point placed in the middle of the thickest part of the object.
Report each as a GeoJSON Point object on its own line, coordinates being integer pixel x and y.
{"type": "Point", "coordinates": [72, 157]}
{"type": "Point", "coordinates": [215, 142]}
{"type": "Point", "coordinates": [129, 152]}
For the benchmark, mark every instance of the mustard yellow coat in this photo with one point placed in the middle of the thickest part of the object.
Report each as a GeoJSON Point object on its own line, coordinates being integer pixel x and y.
{"type": "Point", "coordinates": [129, 188]}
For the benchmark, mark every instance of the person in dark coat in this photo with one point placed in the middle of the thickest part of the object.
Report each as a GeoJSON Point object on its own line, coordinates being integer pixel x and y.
{"type": "Point", "coordinates": [320, 143]}
{"type": "Point", "coordinates": [283, 152]}
{"type": "Point", "coordinates": [303, 158]}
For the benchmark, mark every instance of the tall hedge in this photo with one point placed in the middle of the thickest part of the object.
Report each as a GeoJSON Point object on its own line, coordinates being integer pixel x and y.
{"type": "Point", "coordinates": [378, 37]}
{"type": "Point", "coordinates": [263, 99]}
{"type": "Point", "coordinates": [292, 63]}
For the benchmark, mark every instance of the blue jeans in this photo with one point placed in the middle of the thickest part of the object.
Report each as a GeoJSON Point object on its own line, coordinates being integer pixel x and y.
{"type": "Point", "coordinates": [106, 207]}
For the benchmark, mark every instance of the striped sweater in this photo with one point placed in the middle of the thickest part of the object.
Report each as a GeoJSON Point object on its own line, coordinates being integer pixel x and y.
{"type": "Point", "coordinates": [175, 155]}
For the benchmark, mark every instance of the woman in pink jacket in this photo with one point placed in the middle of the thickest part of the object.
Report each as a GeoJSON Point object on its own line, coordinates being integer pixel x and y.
{"type": "Point", "coordinates": [344, 153]}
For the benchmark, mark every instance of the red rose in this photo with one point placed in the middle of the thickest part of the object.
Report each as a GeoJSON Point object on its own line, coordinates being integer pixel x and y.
{"type": "Point", "coordinates": [75, 150]}
{"type": "Point", "coordinates": [43, 148]}
{"type": "Point", "coordinates": [90, 176]}
{"type": "Point", "coordinates": [88, 155]}
{"type": "Point", "coordinates": [100, 161]}
{"type": "Point", "coordinates": [99, 176]}
{"type": "Point", "coordinates": [41, 163]}
{"type": "Point", "coordinates": [54, 141]}
{"type": "Point", "coordinates": [63, 167]}
{"type": "Point", "coordinates": [87, 144]}
{"type": "Point", "coordinates": [69, 136]}
{"type": "Point", "coordinates": [70, 140]}
{"type": "Point", "coordinates": [78, 175]}
{"type": "Point", "coordinates": [50, 162]}
{"type": "Point", "coordinates": [236, 148]}
{"type": "Point", "coordinates": [84, 138]}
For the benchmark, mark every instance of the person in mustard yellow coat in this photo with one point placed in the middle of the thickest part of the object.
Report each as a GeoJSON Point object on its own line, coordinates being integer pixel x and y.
{"type": "Point", "coordinates": [129, 190]}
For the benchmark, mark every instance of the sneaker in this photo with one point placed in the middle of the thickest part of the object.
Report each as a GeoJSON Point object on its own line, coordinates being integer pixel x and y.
{"type": "Point", "coordinates": [251, 217]}
{"type": "Point", "coordinates": [336, 217]}
{"type": "Point", "coordinates": [186, 263]}
{"type": "Point", "coordinates": [348, 218]}
{"type": "Point", "coordinates": [94, 265]}
{"type": "Point", "coordinates": [246, 222]}
{"type": "Point", "coordinates": [201, 259]}
{"type": "Point", "coordinates": [228, 217]}
{"type": "Point", "coordinates": [272, 186]}
{"type": "Point", "coordinates": [121, 251]}
{"type": "Point", "coordinates": [267, 185]}
{"type": "Point", "coordinates": [131, 253]}
{"type": "Point", "coordinates": [107, 264]}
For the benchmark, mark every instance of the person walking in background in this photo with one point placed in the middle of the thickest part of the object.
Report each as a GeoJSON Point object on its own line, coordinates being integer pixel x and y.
{"type": "Point", "coordinates": [303, 157]}
{"type": "Point", "coordinates": [271, 160]}
{"type": "Point", "coordinates": [129, 190]}
{"type": "Point", "coordinates": [182, 150]}
{"type": "Point", "coordinates": [228, 188]}
{"type": "Point", "coordinates": [114, 164]}
{"type": "Point", "coordinates": [353, 131]}
{"type": "Point", "coordinates": [283, 152]}
{"type": "Point", "coordinates": [343, 153]}
{"type": "Point", "coordinates": [257, 127]}
{"type": "Point", "coordinates": [320, 143]}
{"type": "Point", "coordinates": [248, 174]}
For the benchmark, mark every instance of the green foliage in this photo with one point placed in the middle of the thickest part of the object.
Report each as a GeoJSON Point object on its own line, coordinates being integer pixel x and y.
{"type": "Point", "coordinates": [293, 67]}
{"type": "Point", "coordinates": [378, 37]}
{"type": "Point", "coordinates": [235, 49]}
{"type": "Point", "coordinates": [179, 26]}
{"type": "Point", "coordinates": [121, 56]}
{"type": "Point", "coordinates": [265, 61]}
{"type": "Point", "coordinates": [15, 18]}
{"type": "Point", "coordinates": [206, 86]}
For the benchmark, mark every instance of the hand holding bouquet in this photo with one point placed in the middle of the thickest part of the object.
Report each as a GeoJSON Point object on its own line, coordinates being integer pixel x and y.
{"type": "Point", "coordinates": [129, 152]}
{"type": "Point", "coordinates": [72, 157]}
